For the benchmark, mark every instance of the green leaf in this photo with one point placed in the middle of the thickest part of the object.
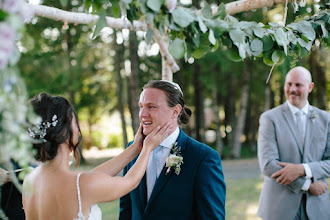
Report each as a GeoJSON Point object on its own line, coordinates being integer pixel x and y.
{"type": "Point", "coordinates": [237, 35]}
{"type": "Point", "coordinates": [177, 48]}
{"type": "Point", "coordinates": [233, 55]}
{"type": "Point", "coordinates": [324, 30]}
{"type": "Point", "coordinates": [3, 15]}
{"type": "Point", "coordinates": [256, 45]}
{"type": "Point", "coordinates": [149, 36]}
{"type": "Point", "coordinates": [200, 52]}
{"type": "Point", "coordinates": [207, 11]}
{"type": "Point", "coordinates": [246, 25]}
{"type": "Point", "coordinates": [276, 56]}
{"type": "Point", "coordinates": [282, 39]}
{"type": "Point", "coordinates": [307, 30]}
{"type": "Point", "coordinates": [115, 9]}
{"type": "Point", "coordinates": [201, 24]}
{"type": "Point", "coordinates": [183, 17]}
{"type": "Point", "coordinates": [242, 50]}
{"type": "Point", "coordinates": [155, 5]}
{"type": "Point", "coordinates": [211, 37]}
{"type": "Point", "coordinates": [268, 61]}
{"type": "Point", "coordinates": [101, 23]}
{"type": "Point", "coordinates": [221, 13]}
{"type": "Point", "coordinates": [150, 18]}
{"type": "Point", "coordinates": [64, 3]}
{"type": "Point", "coordinates": [259, 32]}
{"type": "Point", "coordinates": [196, 39]}
{"type": "Point", "coordinates": [291, 37]}
{"type": "Point", "coordinates": [268, 43]}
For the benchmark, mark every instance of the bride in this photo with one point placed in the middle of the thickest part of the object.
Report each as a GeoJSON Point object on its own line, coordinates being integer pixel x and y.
{"type": "Point", "coordinates": [52, 191]}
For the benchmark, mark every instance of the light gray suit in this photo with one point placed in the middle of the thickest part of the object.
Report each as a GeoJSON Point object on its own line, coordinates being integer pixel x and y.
{"type": "Point", "coordinates": [279, 141]}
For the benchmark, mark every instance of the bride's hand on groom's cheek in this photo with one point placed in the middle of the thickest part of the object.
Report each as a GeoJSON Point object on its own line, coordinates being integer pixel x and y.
{"type": "Point", "coordinates": [157, 136]}
{"type": "Point", "coordinates": [139, 138]}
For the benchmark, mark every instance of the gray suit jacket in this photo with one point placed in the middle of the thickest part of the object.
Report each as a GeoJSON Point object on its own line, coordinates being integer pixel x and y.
{"type": "Point", "coordinates": [279, 141]}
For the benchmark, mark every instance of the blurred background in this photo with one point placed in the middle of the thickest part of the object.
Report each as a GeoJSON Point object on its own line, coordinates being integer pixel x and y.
{"type": "Point", "coordinates": [103, 76]}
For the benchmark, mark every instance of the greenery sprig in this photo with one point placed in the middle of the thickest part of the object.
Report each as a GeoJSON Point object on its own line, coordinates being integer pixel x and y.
{"type": "Point", "coordinates": [193, 34]}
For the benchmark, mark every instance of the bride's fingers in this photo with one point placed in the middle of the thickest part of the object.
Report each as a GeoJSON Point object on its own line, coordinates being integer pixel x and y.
{"type": "Point", "coordinates": [155, 131]}
{"type": "Point", "coordinates": [165, 130]}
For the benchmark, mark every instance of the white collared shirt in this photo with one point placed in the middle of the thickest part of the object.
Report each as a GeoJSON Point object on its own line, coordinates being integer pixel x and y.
{"type": "Point", "coordinates": [166, 149]}
{"type": "Point", "coordinates": [304, 110]}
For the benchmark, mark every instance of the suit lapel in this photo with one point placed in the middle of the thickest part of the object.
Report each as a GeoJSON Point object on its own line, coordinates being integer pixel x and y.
{"type": "Point", "coordinates": [142, 189]}
{"type": "Point", "coordinates": [289, 119]}
{"type": "Point", "coordinates": [163, 178]}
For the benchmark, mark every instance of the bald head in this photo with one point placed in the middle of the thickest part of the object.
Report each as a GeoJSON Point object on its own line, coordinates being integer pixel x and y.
{"type": "Point", "coordinates": [302, 72]}
{"type": "Point", "coordinates": [298, 85]}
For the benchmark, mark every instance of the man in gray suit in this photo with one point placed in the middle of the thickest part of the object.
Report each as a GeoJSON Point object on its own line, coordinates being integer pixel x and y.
{"type": "Point", "coordinates": [294, 155]}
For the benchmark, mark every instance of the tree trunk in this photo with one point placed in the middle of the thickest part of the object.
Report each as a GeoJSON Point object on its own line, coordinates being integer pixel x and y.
{"type": "Point", "coordinates": [317, 69]}
{"type": "Point", "coordinates": [236, 151]}
{"type": "Point", "coordinates": [215, 97]}
{"type": "Point", "coordinates": [199, 106]}
{"type": "Point", "coordinates": [118, 60]}
{"type": "Point", "coordinates": [230, 107]}
{"type": "Point", "coordinates": [134, 82]}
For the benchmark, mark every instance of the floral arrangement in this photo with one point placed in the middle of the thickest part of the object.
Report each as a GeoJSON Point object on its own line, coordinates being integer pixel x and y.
{"type": "Point", "coordinates": [174, 160]}
{"type": "Point", "coordinates": [15, 115]}
{"type": "Point", "coordinates": [312, 115]}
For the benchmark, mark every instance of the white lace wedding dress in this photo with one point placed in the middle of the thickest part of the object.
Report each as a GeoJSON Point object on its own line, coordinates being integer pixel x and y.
{"type": "Point", "coordinates": [94, 213]}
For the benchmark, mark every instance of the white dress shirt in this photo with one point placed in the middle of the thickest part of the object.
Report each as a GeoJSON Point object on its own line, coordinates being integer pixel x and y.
{"type": "Point", "coordinates": [304, 116]}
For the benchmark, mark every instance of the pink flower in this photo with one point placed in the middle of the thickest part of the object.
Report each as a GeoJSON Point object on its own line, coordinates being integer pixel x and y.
{"type": "Point", "coordinates": [170, 4]}
{"type": "Point", "coordinates": [11, 6]}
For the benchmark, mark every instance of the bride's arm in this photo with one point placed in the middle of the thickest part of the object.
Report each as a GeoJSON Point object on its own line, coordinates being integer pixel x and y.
{"type": "Point", "coordinates": [115, 165]}
{"type": "Point", "coordinates": [103, 188]}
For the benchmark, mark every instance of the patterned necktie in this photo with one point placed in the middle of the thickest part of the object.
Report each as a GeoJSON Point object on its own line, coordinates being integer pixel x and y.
{"type": "Point", "coordinates": [152, 170]}
{"type": "Point", "coordinates": [300, 126]}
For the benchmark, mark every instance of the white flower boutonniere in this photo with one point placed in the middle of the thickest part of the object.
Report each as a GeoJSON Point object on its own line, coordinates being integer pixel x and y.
{"type": "Point", "coordinates": [312, 115]}
{"type": "Point", "coordinates": [174, 160]}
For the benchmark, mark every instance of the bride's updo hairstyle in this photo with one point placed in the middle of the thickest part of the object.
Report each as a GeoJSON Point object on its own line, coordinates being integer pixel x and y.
{"type": "Point", "coordinates": [174, 96]}
{"type": "Point", "coordinates": [49, 108]}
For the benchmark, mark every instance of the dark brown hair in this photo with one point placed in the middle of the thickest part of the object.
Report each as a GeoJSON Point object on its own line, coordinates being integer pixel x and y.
{"type": "Point", "coordinates": [46, 106]}
{"type": "Point", "coordinates": [174, 97]}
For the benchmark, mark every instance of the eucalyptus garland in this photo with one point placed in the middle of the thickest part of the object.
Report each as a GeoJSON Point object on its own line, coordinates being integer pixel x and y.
{"type": "Point", "coordinates": [194, 33]}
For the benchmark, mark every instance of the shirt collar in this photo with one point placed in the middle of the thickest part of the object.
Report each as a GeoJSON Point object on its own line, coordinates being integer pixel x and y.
{"type": "Point", "coordinates": [294, 109]}
{"type": "Point", "coordinates": [171, 139]}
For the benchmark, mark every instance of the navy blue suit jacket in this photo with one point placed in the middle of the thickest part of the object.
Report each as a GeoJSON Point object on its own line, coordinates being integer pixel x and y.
{"type": "Point", "coordinates": [198, 192]}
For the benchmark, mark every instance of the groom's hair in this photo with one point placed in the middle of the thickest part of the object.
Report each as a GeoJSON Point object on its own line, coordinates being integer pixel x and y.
{"type": "Point", "coordinates": [47, 106]}
{"type": "Point", "coordinates": [174, 96]}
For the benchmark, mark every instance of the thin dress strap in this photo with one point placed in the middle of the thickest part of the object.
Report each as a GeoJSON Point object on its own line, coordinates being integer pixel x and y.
{"type": "Point", "coordinates": [80, 214]}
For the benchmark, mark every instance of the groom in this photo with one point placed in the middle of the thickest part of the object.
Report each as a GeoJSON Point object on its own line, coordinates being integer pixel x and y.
{"type": "Point", "coordinates": [194, 189]}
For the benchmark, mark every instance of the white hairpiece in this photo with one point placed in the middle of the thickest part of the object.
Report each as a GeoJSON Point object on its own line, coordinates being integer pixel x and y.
{"type": "Point", "coordinates": [176, 86]}
{"type": "Point", "coordinates": [39, 132]}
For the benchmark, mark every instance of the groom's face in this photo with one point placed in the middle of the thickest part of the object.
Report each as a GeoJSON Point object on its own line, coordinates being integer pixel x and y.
{"type": "Point", "coordinates": [154, 110]}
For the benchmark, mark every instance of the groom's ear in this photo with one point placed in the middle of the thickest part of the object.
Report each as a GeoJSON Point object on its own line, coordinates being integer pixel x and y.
{"type": "Point", "coordinates": [176, 111]}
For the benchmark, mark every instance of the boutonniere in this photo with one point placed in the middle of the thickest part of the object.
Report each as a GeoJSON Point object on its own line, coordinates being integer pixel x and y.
{"type": "Point", "coordinates": [312, 115]}
{"type": "Point", "coordinates": [174, 160]}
